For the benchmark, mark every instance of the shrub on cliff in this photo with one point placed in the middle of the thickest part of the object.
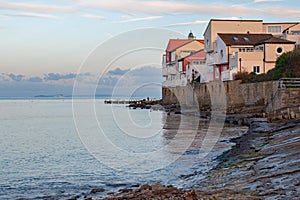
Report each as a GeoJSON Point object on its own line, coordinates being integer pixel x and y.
{"type": "Point", "coordinates": [287, 65]}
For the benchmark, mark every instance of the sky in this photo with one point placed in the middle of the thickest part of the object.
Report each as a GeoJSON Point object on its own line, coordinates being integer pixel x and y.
{"type": "Point", "coordinates": [46, 45]}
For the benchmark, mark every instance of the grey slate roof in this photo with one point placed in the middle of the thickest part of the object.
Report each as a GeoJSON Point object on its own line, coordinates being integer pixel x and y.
{"type": "Point", "coordinates": [237, 39]}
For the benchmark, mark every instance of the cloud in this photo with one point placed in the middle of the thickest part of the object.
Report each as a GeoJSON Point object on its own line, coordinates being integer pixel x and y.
{"type": "Point", "coordinates": [187, 23]}
{"type": "Point", "coordinates": [46, 77]}
{"type": "Point", "coordinates": [57, 76]}
{"type": "Point", "coordinates": [162, 8]}
{"type": "Point", "coordinates": [33, 15]}
{"type": "Point", "coordinates": [91, 16]}
{"type": "Point", "coordinates": [140, 19]}
{"type": "Point", "coordinates": [144, 81]}
{"type": "Point", "coordinates": [16, 77]}
{"type": "Point", "coordinates": [118, 71]}
{"type": "Point", "coordinates": [34, 7]}
{"type": "Point", "coordinates": [265, 1]}
{"type": "Point", "coordinates": [35, 79]}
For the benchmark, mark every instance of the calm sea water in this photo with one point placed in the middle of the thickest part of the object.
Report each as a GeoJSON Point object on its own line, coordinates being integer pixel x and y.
{"type": "Point", "coordinates": [49, 152]}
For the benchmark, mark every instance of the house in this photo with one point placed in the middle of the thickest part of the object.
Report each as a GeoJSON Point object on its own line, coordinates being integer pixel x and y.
{"type": "Point", "coordinates": [292, 33]}
{"type": "Point", "coordinates": [177, 49]}
{"type": "Point", "coordinates": [246, 45]}
{"type": "Point", "coordinates": [216, 26]}
{"type": "Point", "coordinates": [194, 67]}
{"type": "Point", "coordinates": [277, 29]}
{"type": "Point", "coordinates": [247, 52]}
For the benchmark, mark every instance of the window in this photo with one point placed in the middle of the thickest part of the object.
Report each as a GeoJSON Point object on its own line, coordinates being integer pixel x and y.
{"type": "Point", "coordinates": [235, 38]}
{"type": "Point", "coordinates": [196, 62]}
{"type": "Point", "coordinates": [202, 62]}
{"type": "Point", "coordinates": [279, 50]}
{"type": "Point", "coordinates": [274, 29]}
{"type": "Point", "coordinates": [217, 73]}
{"type": "Point", "coordinates": [295, 32]}
{"type": "Point", "coordinates": [256, 69]}
{"type": "Point", "coordinates": [180, 66]}
{"type": "Point", "coordinates": [246, 39]}
{"type": "Point", "coordinates": [172, 56]}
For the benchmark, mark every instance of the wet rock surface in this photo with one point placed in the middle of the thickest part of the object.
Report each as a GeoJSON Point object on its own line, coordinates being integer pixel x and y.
{"type": "Point", "coordinates": [264, 164]}
{"type": "Point", "coordinates": [156, 191]}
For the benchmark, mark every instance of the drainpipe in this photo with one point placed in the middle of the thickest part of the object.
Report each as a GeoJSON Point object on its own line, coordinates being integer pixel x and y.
{"type": "Point", "coordinates": [264, 58]}
{"type": "Point", "coordinates": [240, 59]}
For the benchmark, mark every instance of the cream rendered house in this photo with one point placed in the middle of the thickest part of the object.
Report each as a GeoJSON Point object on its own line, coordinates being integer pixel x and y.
{"type": "Point", "coordinates": [292, 33]}
{"type": "Point", "coordinates": [216, 26]}
{"type": "Point", "coordinates": [277, 29]}
{"type": "Point", "coordinates": [247, 53]}
{"type": "Point", "coordinates": [227, 55]}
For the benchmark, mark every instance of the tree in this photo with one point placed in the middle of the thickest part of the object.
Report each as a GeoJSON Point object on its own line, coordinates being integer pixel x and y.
{"type": "Point", "coordinates": [287, 66]}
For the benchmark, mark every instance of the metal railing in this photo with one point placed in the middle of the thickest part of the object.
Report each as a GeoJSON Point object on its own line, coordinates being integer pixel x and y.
{"type": "Point", "coordinates": [289, 83]}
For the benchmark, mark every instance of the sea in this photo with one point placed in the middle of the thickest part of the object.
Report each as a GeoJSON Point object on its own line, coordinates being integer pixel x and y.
{"type": "Point", "coordinates": [63, 148]}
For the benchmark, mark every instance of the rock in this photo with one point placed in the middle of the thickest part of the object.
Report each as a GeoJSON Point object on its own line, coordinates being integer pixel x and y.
{"type": "Point", "coordinates": [75, 198]}
{"type": "Point", "coordinates": [96, 190]}
{"type": "Point", "coordinates": [125, 190]}
{"type": "Point", "coordinates": [158, 186]}
{"type": "Point", "coordinates": [190, 195]}
{"type": "Point", "coordinates": [146, 187]}
{"type": "Point", "coordinates": [292, 115]}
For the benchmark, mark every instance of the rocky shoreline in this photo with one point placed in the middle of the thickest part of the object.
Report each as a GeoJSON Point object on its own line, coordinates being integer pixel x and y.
{"type": "Point", "coordinates": [264, 164]}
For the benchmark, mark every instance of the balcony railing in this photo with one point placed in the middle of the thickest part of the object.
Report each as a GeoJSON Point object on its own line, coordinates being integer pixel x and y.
{"type": "Point", "coordinates": [289, 83]}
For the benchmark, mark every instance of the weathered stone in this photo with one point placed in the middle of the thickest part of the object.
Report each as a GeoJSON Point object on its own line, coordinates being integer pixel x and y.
{"type": "Point", "coordinates": [190, 195]}
{"type": "Point", "coordinates": [125, 190]}
{"type": "Point", "coordinates": [96, 190]}
{"type": "Point", "coordinates": [146, 187]}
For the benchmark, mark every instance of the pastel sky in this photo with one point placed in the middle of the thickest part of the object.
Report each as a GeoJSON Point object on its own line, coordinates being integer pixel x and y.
{"type": "Point", "coordinates": [43, 43]}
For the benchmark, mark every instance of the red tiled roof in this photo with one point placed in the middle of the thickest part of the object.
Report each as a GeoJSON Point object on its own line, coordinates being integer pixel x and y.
{"type": "Point", "coordinates": [197, 55]}
{"type": "Point", "coordinates": [176, 43]}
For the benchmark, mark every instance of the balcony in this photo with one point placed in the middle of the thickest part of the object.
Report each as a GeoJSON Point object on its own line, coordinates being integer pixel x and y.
{"type": "Point", "coordinates": [164, 71]}
{"type": "Point", "coordinates": [175, 82]}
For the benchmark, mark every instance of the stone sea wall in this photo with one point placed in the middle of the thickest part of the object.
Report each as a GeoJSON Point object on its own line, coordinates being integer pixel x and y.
{"type": "Point", "coordinates": [235, 94]}
{"type": "Point", "coordinates": [284, 104]}
{"type": "Point", "coordinates": [235, 97]}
